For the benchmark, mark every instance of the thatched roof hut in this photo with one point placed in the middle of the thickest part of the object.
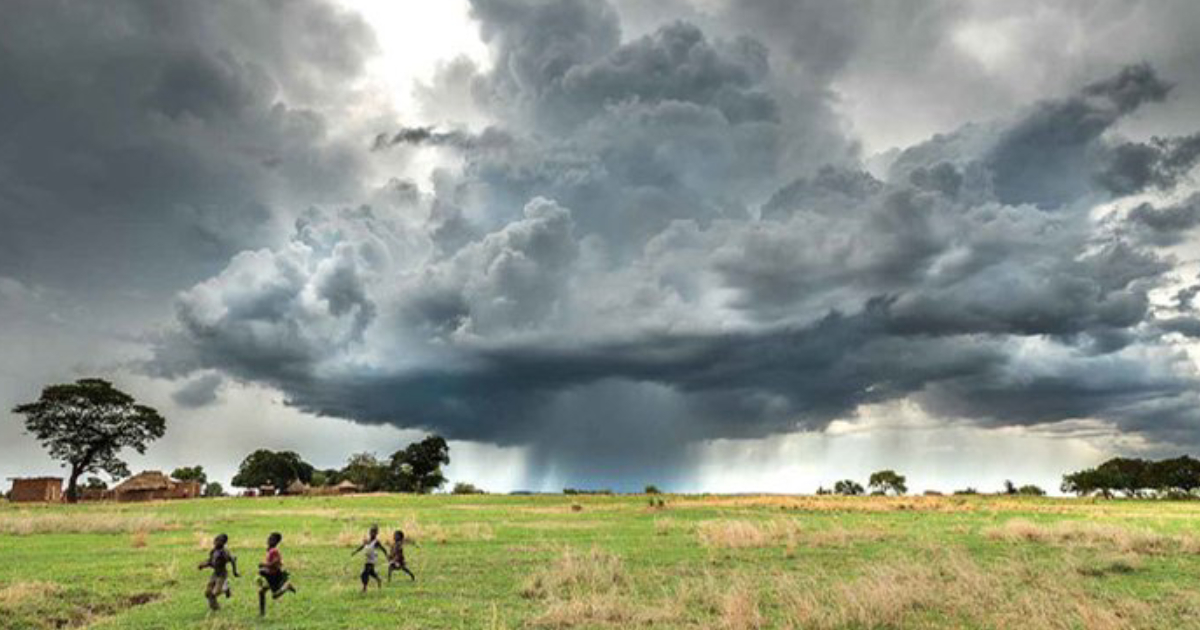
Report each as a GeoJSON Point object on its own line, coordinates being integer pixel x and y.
{"type": "Point", "coordinates": [346, 487]}
{"type": "Point", "coordinates": [297, 487]}
{"type": "Point", "coordinates": [151, 485]}
{"type": "Point", "coordinates": [144, 486]}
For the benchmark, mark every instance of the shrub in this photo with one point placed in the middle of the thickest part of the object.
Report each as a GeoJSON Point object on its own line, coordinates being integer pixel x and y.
{"type": "Point", "coordinates": [466, 488]}
{"type": "Point", "coordinates": [848, 487]}
{"type": "Point", "coordinates": [652, 489]}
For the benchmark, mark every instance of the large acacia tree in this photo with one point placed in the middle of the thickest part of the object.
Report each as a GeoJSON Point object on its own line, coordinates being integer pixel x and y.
{"type": "Point", "coordinates": [278, 469]}
{"type": "Point", "coordinates": [87, 423]}
{"type": "Point", "coordinates": [418, 466]}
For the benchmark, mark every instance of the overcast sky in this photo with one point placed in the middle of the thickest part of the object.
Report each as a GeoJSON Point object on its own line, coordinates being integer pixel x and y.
{"type": "Point", "coordinates": [706, 244]}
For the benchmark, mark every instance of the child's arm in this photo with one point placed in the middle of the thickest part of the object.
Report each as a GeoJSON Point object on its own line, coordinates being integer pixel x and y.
{"type": "Point", "coordinates": [233, 561]}
{"type": "Point", "coordinates": [206, 564]}
{"type": "Point", "coordinates": [358, 549]}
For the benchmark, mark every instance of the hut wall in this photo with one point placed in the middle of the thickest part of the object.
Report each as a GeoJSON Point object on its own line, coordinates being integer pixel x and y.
{"type": "Point", "coordinates": [156, 494]}
{"type": "Point", "coordinates": [44, 490]}
{"type": "Point", "coordinates": [185, 490]}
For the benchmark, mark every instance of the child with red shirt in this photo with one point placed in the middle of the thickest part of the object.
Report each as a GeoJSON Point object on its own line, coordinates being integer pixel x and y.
{"type": "Point", "coordinates": [271, 576]}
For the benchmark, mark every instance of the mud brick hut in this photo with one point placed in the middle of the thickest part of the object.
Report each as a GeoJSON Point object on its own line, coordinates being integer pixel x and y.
{"type": "Point", "coordinates": [153, 485]}
{"type": "Point", "coordinates": [37, 490]}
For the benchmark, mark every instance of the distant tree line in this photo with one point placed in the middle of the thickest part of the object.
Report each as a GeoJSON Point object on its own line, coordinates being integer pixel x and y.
{"type": "Point", "coordinates": [1178, 477]}
{"type": "Point", "coordinates": [416, 468]}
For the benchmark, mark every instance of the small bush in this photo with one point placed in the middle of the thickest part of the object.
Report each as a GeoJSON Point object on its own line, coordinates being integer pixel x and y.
{"type": "Point", "coordinates": [652, 489]}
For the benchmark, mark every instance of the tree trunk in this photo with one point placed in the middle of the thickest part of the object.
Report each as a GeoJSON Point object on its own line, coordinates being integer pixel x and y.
{"type": "Point", "coordinates": [72, 485]}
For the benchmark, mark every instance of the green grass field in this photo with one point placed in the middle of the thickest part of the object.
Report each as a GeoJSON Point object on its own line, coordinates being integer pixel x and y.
{"type": "Point", "coordinates": [598, 561]}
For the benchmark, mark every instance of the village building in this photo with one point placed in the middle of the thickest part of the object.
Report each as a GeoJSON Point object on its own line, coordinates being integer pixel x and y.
{"type": "Point", "coordinates": [347, 487]}
{"type": "Point", "coordinates": [296, 487]}
{"type": "Point", "coordinates": [95, 494]}
{"type": "Point", "coordinates": [36, 490]}
{"type": "Point", "coordinates": [153, 485]}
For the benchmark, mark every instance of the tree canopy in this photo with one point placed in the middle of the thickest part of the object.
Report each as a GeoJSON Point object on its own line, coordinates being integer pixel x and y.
{"type": "Point", "coordinates": [1134, 477]}
{"type": "Point", "coordinates": [278, 469]}
{"type": "Point", "coordinates": [418, 466]}
{"type": "Point", "coordinates": [367, 472]}
{"type": "Point", "coordinates": [87, 423]}
{"type": "Point", "coordinates": [848, 487]}
{"type": "Point", "coordinates": [885, 481]}
{"type": "Point", "coordinates": [190, 473]}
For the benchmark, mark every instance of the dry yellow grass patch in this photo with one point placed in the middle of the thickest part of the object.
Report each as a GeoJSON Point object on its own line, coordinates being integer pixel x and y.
{"type": "Point", "coordinates": [26, 524]}
{"type": "Point", "coordinates": [609, 609]}
{"type": "Point", "coordinates": [19, 592]}
{"type": "Point", "coordinates": [574, 573]}
{"type": "Point", "coordinates": [473, 531]}
{"type": "Point", "coordinates": [835, 503]}
{"type": "Point", "coordinates": [739, 608]}
{"type": "Point", "coordinates": [552, 525]}
{"type": "Point", "coordinates": [137, 540]}
{"type": "Point", "coordinates": [1089, 534]}
{"type": "Point", "coordinates": [951, 589]}
{"type": "Point", "coordinates": [737, 534]}
{"type": "Point", "coordinates": [350, 537]}
{"type": "Point", "coordinates": [590, 589]}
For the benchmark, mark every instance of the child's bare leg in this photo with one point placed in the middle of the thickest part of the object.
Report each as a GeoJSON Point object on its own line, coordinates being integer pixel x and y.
{"type": "Point", "coordinates": [212, 601]}
{"type": "Point", "coordinates": [262, 602]}
{"type": "Point", "coordinates": [391, 569]}
{"type": "Point", "coordinates": [410, 573]}
{"type": "Point", "coordinates": [284, 590]}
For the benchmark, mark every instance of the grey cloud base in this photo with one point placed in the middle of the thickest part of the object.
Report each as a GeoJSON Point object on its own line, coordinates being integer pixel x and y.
{"type": "Point", "coordinates": [661, 241]}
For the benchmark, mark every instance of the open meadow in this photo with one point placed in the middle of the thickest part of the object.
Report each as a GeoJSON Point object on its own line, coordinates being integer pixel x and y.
{"type": "Point", "coordinates": [553, 561]}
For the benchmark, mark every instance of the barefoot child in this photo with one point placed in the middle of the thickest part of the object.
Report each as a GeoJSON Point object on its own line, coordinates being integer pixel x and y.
{"type": "Point", "coordinates": [372, 547]}
{"type": "Point", "coordinates": [218, 560]}
{"type": "Point", "coordinates": [396, 558]}
{"type": "Point", "coordinates": [271, 576]}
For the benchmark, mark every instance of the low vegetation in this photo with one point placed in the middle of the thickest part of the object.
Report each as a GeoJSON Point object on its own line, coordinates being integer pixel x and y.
{"type": "Point", "coordinates": [604, 561]}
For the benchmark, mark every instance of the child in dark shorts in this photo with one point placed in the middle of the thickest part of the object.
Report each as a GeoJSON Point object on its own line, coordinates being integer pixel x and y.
{"type": "Point", "coordinates": [372, 546]}
{"type": "Point", "coordinates": [271, 576]}
{"type": "Point", "coordinates": [396, 558]}
{"type": "Point", "coordinates": [218, 560]}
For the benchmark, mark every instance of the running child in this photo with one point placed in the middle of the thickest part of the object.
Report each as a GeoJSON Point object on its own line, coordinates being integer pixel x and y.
{"type": "Point", "coordinates": [396, 558]}
{"type": "Point", "coordinates": [372, 546]}
{"type": "Point", "coordinates": [271, 576]}
{"type": "Point", "coordinates": [219, 559]}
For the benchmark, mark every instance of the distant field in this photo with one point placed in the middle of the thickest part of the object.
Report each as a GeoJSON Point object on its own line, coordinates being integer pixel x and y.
{"type": "Point", "coordinates": [594, 562]}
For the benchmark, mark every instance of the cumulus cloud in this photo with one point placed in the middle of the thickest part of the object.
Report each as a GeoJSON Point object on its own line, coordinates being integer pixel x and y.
{"type": "Point", "coordinates": [164, 137]}
{"type": "Point", "coordinates": [671, 246]}
{"type": "Point", "coordinates": [198, 392]}
{"type": "Point", "coordinates": [647, 229]}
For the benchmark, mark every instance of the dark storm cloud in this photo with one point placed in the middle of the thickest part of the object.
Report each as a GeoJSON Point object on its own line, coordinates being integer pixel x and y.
{"type": "Point", "coordinates": [153, 140]}
{"type": "Point", "coordinates": [1166, 225]}
{"type": "Point", "coordinates": [430, 136]}
{"type": "Point", "coordinates": [676, 242]}
{"type": "Point", "coordinates": [198, 392]}
{"type": "Point", "coordinates": [630, 136]}
{"type": "Point", "coordinates": [1044, 160]}
{"type": "Point", "coordinates": [1161, 163]}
